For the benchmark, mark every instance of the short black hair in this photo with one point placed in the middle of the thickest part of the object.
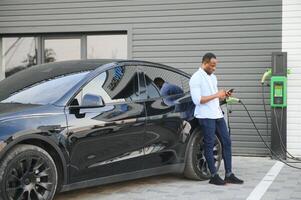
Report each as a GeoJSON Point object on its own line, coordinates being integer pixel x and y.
{"type": "Point", "coordinates": [159, 81]}
{"type": "Point", "coordinates": [207, 57]}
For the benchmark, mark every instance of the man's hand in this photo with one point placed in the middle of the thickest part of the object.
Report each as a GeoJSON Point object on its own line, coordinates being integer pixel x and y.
{"type": "Point", "coordinates": [222, 94]}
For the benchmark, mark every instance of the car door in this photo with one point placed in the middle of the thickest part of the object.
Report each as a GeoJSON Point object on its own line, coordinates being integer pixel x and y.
{"type": "Point", "coordinates": [107, 140]}
{"type": "Point", "coordinates": [166, 127]}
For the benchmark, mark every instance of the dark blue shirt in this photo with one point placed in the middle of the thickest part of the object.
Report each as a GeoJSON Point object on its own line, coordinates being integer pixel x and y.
{"type": "Point", "coordinates": [168, 90]}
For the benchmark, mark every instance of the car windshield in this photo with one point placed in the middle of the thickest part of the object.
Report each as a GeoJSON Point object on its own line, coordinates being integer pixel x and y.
{"type": "Point", "coordinates": [46, 91]}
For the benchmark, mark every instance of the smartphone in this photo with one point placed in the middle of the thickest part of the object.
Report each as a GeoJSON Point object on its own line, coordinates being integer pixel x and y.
{"type": "Point", "coordinates": [231, 90]}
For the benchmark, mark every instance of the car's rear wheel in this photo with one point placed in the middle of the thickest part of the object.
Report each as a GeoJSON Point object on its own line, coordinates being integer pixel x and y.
{"type": "Point", "coordinates": [196, 165]}
{"type": "Point", "coordinates": [28, 173]}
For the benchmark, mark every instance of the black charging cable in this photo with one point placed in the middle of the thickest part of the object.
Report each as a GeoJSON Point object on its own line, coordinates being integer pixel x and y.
{"type": "Point", "coordinates": [265, 143]}
{"type": "Point", "coordinates": [290, 156]}
{"type": "Point", "coordinates": [283, 148]}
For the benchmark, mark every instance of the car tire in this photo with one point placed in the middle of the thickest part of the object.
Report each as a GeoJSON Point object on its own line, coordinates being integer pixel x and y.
{"type": "Point", "coordinates": [28, 172]}
{"type": "Point", "coordinates": [196, 167]}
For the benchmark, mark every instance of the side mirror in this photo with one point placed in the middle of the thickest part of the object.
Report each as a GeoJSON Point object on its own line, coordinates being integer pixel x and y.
{"type": "Point", "coordinates": [91, 100]}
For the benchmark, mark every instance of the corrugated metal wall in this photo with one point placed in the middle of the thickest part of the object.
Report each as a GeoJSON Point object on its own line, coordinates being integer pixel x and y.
{"type": "Point", "coordinates": [291, 43]}
{"type": "Point", "coordinates": [176, 32]}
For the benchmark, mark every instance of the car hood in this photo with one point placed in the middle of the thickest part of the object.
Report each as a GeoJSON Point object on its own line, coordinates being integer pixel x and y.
{"type": "Point", "coordinates": [11, 109]}
{"type": "Point", "coordinates": [27, 118]}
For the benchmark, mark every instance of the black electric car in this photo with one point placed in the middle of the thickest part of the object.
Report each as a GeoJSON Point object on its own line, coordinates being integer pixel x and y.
{"type": "Point", "coordinates": [75, 124]}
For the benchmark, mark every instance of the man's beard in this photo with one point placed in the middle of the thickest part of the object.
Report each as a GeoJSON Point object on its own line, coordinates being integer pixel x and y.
{"type": "Point", "coordinates": [208, 72]}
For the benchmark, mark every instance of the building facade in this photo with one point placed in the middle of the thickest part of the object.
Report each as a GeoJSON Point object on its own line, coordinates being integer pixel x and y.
{"type": "Point", "coordinates": [291, 43]}
{"type": "Point", "coordinates": [243, 35]}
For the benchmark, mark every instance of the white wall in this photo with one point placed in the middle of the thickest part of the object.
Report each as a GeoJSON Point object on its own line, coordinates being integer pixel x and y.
{"type": "Point", "coordinates": [1, 68]}
{"type": "Point", "coordinates": [291, 43]}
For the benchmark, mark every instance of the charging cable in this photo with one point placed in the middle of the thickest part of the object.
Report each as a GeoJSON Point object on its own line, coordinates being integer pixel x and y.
{"type": "Point", "coordinates": [265, 143]}
{"type": "Point", "coordinates": [289, 155]}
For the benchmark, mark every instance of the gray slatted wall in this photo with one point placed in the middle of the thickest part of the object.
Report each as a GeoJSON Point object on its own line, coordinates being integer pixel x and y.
{"type": "Point", "coordinates": [176, 32]}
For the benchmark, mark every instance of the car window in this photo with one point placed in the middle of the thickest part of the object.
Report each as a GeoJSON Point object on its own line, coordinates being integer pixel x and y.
{"type": "Point", "coordinates": [161, 82]}
{"type": "Point", "coordinates": [47, 91]}
{"type": "Point", "coordinates": [152, 90]}
{"type": "Point", "coordinates": [119, 84]}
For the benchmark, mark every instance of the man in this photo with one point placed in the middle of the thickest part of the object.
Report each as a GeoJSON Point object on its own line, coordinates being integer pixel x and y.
{"type": "Point", "coordinates": [167, 90]}
{"type": "Point", "coordinates": [205, 95]}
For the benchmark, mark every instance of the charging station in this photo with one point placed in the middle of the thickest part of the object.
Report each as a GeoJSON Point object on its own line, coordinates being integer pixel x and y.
{"type": "Point", "coordinates": [278, 102]}
{"type": "Point", "coordinates": [278, 92]}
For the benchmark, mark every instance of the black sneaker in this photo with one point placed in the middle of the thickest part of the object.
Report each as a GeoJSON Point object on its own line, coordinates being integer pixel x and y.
{"type": "Point", "coordinates": [216, 180]}
{"type": "Point", "coordinates": [233, 179]}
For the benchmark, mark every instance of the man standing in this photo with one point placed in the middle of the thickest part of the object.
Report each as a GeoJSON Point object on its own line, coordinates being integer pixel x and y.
{"type": "Point", "coordinates": [205, 95]}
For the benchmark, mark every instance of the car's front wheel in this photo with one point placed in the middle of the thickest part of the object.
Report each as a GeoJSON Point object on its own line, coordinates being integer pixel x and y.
{"type": "Point", "coordinates": [196, 165]}
{"type": "Point", "coordinates": [28, 173]}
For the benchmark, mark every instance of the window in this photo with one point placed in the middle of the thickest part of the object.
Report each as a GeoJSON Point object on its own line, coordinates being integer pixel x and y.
{"type": "Point", "coordinates": [61, 49]}
{"type": "Point", "coordinates": [18, 53]}
{"type": "Point", "coordinates": [162, 82]}
{"type": "Point", "coordinates": [107, 46]}
{"type": "Point", "coordinates": [152, 90]}
{"type": "Point", "coordinates": [45, 92]}
{"type": "Point", "coordinates": [116, 85]}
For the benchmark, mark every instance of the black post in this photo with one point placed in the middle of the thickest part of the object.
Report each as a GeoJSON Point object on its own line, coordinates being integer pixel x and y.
{"type": "Point", "coordinates": [278, 134]}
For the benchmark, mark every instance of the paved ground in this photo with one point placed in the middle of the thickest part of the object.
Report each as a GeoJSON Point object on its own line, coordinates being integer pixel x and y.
{"type": "Point", "coordinates": [287, 185]}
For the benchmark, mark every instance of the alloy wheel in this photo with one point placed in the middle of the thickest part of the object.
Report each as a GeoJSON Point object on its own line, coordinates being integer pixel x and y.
{"type": "Point", "coordinates": [29, 178]}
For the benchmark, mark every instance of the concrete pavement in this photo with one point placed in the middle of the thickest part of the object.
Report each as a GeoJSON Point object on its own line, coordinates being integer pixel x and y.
{"type": "Point", "coordinates": [287, 185]}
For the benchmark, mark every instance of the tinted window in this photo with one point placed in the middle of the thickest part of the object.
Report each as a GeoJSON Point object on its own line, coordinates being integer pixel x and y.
{"type": "Point", "coordinates": [162, 82]}
{"type": "Point", "coordinates": [47, 91]}
{"type": "Point", "coordinates": [152, 90]}
{"type": "Point", "coordinates": [119, 84]}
